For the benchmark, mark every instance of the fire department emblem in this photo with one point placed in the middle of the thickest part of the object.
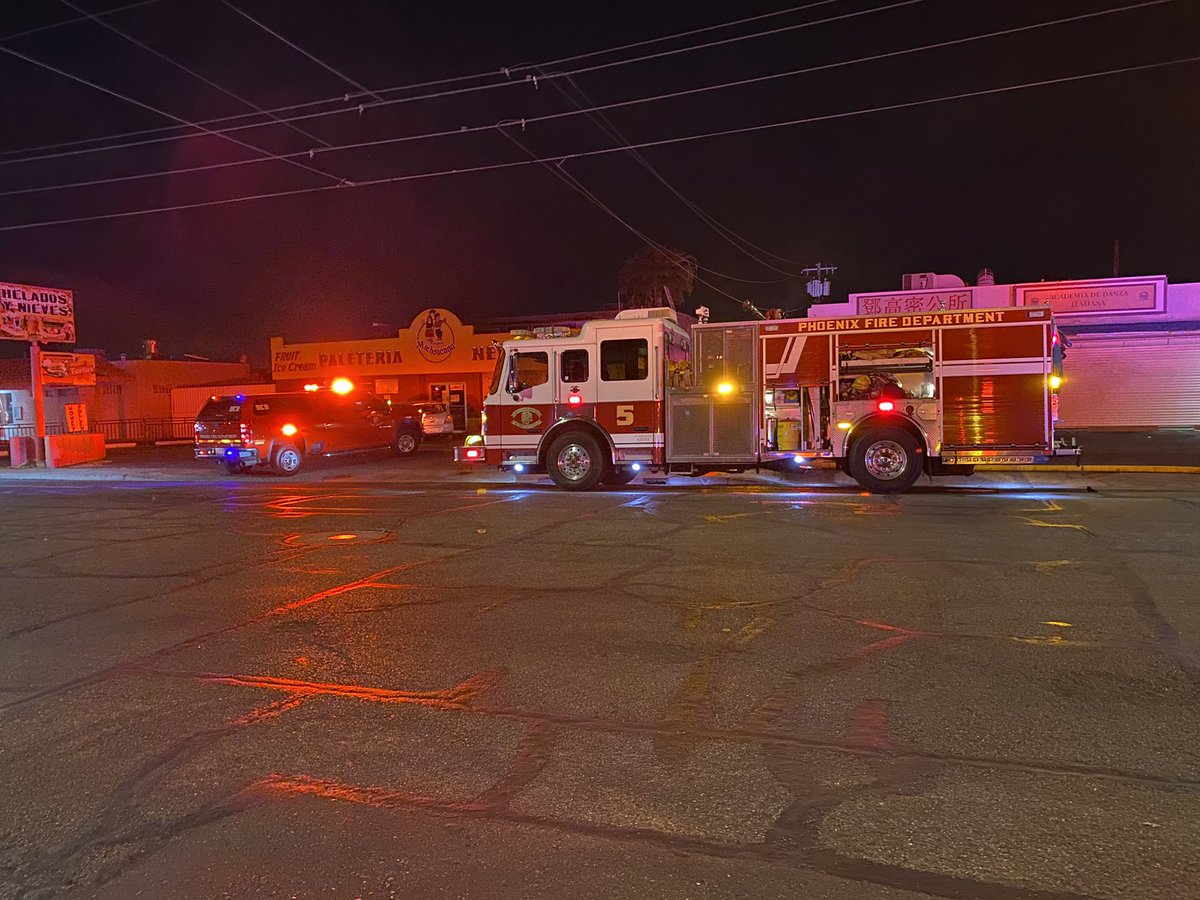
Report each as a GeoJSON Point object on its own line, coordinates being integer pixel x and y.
{"type": "Point", "coordinates": [435, 337]}
{"type": "Point", "coordinates": [527, 417]}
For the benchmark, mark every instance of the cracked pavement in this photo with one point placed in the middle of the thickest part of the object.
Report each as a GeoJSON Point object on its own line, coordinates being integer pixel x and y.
{"type": "Point", "coordinates": [281, 689]}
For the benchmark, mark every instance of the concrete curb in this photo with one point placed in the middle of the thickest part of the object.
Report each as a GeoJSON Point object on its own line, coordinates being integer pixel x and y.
{"type": "Point", "coordinates": [1097, 470]}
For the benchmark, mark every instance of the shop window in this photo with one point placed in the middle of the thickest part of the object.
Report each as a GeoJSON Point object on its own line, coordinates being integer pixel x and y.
{"type": "Point", "coordinates": [574, 366]}
{"type": "Point", "coordinates": [626, 360]}
{"type": "Point", "coordinates": [532, 369]}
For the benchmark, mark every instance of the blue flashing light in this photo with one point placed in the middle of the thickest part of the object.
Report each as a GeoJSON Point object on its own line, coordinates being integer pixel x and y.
{"type": "Point", "coordinates": [239, 397]}
{"type": "Point", "coordinates": [797, 459]}
{"type": "Point", "coordinates": [231, 453]}
{"type": "Point", "coordinates": [519, 467]}
{"type": "Point", "coordinates": [637, 467]}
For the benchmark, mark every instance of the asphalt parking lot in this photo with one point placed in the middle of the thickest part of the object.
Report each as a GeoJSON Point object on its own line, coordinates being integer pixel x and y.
{"type": "Point", "coordinates": [317, 686]}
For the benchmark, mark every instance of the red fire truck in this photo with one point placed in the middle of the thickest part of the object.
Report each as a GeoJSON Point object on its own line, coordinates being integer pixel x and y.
{"type": "Point", "coordinates": [886, 397]}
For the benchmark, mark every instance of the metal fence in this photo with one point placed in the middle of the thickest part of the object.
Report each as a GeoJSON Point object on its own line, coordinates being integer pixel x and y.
{"type": "Point", "coordinates": [12, 431]}
{"type": "Point", "coordinates": [146, 431]}
{"type": "Point", "coordinates": [140, 431]}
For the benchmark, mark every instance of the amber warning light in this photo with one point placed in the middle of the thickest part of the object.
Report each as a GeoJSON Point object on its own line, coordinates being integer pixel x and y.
{"type": "Point", "coordinates": [342, 386]}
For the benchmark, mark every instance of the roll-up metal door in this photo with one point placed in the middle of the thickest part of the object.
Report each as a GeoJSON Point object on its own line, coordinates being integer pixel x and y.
{"type": "Point", "coordinates": [1131, 381]}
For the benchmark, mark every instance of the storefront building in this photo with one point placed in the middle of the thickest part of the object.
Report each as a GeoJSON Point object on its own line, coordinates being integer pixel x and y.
{"type": "Point", "coordinates": [1134, 348]}
{"type": "Point", "coordinates": [437, 358]}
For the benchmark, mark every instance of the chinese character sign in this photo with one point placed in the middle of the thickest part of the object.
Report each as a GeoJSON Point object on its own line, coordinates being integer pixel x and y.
{"type": "Point", "coordinates": [915, 302]}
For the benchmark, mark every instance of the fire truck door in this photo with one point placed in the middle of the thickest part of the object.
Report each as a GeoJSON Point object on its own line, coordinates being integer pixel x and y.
{"type": "Point", "coordinates": [527, 403]}
{"type": "Point", "coordinates": [576, 382]}
{"type": "Point", "coordinates": [628, 392]}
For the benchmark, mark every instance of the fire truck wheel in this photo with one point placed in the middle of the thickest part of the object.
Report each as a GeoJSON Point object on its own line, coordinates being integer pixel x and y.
{"type": "Point", "coordinates": [576, 462]}
{"type": "Point", "coordinates": [885, 460]}
{"type": "Point", "coordinates": [619, 477]}
{"type": "Point", "coordinates": [288, 460]}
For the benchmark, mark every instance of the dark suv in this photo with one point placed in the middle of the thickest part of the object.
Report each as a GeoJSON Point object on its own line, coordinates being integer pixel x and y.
{"type": "Point", "coordinates": [283, 430]}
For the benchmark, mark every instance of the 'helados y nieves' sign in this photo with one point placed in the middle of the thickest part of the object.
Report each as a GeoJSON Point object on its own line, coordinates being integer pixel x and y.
{"type": "Point", "coordinates": [32, 313]}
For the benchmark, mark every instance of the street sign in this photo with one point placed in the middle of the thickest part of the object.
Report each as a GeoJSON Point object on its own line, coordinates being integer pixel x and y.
{"type": "Point", "coordinates": [32, 313]}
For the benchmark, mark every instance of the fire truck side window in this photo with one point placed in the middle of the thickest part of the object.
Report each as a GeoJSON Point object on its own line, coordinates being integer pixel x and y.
{"type": "Point", "coordinates": [532, 369]}
{"type": "Point", "coordinates": [626, 360]}
{"type": "Point", "coordinates": [573, 365]}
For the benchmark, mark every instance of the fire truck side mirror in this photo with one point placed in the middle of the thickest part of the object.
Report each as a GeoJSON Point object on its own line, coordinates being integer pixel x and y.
{"type": "Point", "coordinates": [514, 386]}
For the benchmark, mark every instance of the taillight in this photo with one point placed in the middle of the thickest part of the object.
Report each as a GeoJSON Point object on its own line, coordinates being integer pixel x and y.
{"type": "Point", "coordinates": [472, 453]}
{"type": "Point", "coordinates": [885, 406]}
{"type": "Point", "coordinates": [247, 433]}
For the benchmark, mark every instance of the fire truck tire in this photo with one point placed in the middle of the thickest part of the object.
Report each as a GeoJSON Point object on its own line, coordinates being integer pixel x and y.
{"type": "Point", "coordinates": [885, 460]}
{"type": "Point", "coordinates": [576, 462]}
{"type": "Point", "coordinates": [619, 477]}
{"type": "Point", "coordinates": [288, 460]}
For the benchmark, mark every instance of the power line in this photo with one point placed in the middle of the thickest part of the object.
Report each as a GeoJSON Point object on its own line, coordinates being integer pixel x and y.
{"type": "Point", "coordinates": [621, 104]}
{"type": "Point", "coordinates": [158, 54]}
{"type": "Point", "coordinates": [460, 91]}
{"type": "Point", "coordinates": [606, 125]}
{"type": "Point", "coordinates": [605, 151]}
{"type": "Point", "coordinates": [75, 21]}
{"type": "Point", "coordinates": [279, 37]}
{"type": "Point", "coordinates": [146, 106]}
{"type": "Point", "coordinates": [413, 86]}
{"type": "Point", "coordinates": [578, 186]}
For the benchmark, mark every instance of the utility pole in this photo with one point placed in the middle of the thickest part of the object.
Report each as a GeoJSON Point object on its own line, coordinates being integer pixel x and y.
{"type": "Point", "coordinates": [818, 280]}
{"type": "Point", "coordinates": [39, 400]}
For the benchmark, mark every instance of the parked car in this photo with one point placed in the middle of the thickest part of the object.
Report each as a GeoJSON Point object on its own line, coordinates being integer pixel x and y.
{"type": "Point", "coordinates": [436, 419]}
{"type": "Point", "coordinates": [284, 430]}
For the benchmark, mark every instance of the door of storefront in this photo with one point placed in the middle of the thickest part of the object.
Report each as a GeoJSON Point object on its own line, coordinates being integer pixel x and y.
{"type": "Point", "coordinates": [454, 395]}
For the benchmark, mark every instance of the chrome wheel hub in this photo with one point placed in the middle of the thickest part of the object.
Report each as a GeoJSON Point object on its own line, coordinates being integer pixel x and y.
{"type": "Point", "coordinates": [574, 462]}
{"type": "Point", "coordinates": [885, 460]}
{"type": "Point", "coordinates": [289, 460]}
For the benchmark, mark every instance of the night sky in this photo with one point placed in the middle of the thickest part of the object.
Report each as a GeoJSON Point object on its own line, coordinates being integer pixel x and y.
{"type": "Point", "coordinates": [1033, 184]}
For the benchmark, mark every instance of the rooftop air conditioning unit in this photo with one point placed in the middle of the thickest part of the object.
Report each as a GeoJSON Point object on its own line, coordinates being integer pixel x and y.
{"type": "Point", "coordinates": [930, 281]}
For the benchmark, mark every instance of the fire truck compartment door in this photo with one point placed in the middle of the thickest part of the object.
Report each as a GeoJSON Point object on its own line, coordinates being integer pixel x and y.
{"type": "Point", "coordinates": [993, 387]}
{"type": "Point", "coordinates": [711, 427]}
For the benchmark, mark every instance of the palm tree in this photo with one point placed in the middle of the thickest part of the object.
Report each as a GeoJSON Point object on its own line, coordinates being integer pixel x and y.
{"type": "Point", "coordinates": [656, 276]}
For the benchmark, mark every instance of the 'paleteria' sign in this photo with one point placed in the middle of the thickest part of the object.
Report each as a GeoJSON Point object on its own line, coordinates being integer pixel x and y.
{"type": "Point", "coordinates": [436, 342]}
{"type": "Point", "coordinates": [31, 313]}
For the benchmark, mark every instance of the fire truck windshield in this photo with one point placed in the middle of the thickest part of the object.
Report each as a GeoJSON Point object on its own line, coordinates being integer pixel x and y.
{"type": "Point", "coordinates": [497, 372]}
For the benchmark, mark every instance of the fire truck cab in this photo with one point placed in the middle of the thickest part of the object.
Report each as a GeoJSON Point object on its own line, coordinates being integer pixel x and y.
{"type": "Point", "coordinates": [887, 398]}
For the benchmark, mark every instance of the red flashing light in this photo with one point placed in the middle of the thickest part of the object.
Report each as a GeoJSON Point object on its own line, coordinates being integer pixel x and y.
{"type": "Point", "coordinates": [574, 400]}
{"type": "Point", "coordinates": [885, 406]}
{"type": "Point", "coordinates": [474, 454]}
